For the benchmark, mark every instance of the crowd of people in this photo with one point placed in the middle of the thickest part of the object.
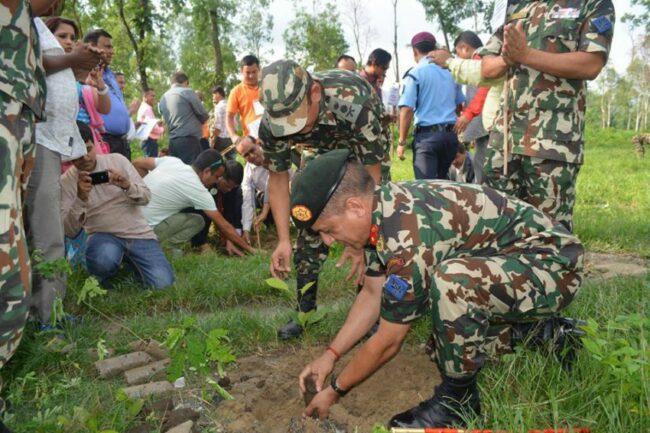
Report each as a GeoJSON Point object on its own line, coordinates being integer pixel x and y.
{"type": "Point", "coordinates": [483, 240]}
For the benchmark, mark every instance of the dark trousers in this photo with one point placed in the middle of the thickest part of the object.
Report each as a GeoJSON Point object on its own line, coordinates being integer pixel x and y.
{"type": "Point", "coordinates": [433, 153]}
{"type": "Point", "coordinates": [118, 144]}
{"type": "Point", "coordinates": [150, 148]}
{"type": "Point", "coordinates": [185, 148]}
{"type": "Point", "coordinates": [229, 205]}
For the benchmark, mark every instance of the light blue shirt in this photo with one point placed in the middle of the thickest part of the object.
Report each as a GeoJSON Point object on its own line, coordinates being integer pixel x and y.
{"type": "Point", "coordinates": [432, 93]}
{"type": "Point", "coordinates": [117, 121]}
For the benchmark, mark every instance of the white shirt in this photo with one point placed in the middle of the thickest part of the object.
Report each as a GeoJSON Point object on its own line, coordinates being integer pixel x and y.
{"type": "Point", "coordinates": [174, 186]}
{"type": "Point", "coordinates": [59, 133]}
{"type": "Point", "coordinates": [220, 118]}
{"type": "Point", "coordinates": [256, 178]}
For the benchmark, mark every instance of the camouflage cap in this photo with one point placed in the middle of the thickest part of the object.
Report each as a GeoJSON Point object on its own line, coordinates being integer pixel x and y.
{"type": "Point", "coordinates": [313, 188]}
{"type": "Point", "coordinates": [283, 91]}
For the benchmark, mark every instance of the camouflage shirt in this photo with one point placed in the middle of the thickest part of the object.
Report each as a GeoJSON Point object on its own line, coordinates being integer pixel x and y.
{"type": "Point", "coordinates": [419, 224]}
{"type": "Point", "coordinates": [350, 116]}
{"type": "Point", "coordinates": [547, 113]}
{"type": "Point", "coordinates": [22, 76]}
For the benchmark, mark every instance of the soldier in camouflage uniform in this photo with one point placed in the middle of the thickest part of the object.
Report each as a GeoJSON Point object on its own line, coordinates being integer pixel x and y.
{"type": "Point", "coordinates": [639, 142]}
{"type": "Point", "coordinates": [313, 114]}
{"type": "Point", "coordinates": [480, 260]}
{"type": "Point", "coordinates": [22, 101]}
{"type": "Point", "coordinates": [552, 47]}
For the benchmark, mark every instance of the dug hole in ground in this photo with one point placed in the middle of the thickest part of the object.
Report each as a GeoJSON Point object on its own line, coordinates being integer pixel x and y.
{"type": "Point", "coordinates": [267, 398]}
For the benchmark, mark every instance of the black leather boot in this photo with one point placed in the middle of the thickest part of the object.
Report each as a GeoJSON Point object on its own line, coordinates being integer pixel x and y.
{"type": "Point", "coordinates": [306, 303]}
{"type": "Point", "coordinates": [559, 335]}
{"type": "Point", "coordinates": [452, 399]}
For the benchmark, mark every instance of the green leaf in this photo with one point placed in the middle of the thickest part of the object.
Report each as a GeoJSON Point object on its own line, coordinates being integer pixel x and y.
{"type": "Point", "coordinates": [222, 392]}
{"type": "Point", "coordinates": [174, 335]}
{"type": "Point", "coordinates": [135, 407]}
{"type": "Point", "coordinates": [277, 284]}
{"type": "Point", "coordinates": [307, 287]}
{"type": "Point", "coordinates": [120, 395]}
{"type": "Point", "coordinates": [90, 290]}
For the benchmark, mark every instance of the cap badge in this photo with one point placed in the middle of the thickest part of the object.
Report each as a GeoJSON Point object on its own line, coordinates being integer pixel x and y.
{"type": "Point", "coordinates": [301, 213]}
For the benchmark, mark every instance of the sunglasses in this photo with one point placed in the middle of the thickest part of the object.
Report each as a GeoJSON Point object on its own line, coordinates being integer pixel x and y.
{"type": "Point", "coordinates": [215, 164]}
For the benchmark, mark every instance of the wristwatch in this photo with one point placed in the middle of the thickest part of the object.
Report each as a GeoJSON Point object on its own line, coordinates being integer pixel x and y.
{"type": "Point", "coordinates": [335, 386]}
{"type": "Point", "coordinates": [401, 143]}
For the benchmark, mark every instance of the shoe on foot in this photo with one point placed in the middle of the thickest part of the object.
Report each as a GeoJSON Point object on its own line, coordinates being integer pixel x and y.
{"type": "Point", "coordinates": [290, 331]}
{"type": "Point", "coordinates": [452, 399]}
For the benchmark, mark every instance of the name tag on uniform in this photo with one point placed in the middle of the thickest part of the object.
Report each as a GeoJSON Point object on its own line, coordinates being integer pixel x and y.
{"type": "Point", "coordinates": [566, 13]}
{"type": "Point", "coordinates": [396, 287]}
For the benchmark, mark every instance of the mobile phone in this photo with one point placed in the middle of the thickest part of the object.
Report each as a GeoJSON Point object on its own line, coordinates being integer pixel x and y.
{"type": "Point", "coordinates": [99, 177]}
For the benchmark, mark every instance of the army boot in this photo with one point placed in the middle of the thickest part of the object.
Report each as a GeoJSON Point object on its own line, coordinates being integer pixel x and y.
{"type": "Point", "coordinates": [306, 303]}
{"type": "Point", "coordinates": [452, 399]}
{"type": "Point", "coordinates": [561, 335]}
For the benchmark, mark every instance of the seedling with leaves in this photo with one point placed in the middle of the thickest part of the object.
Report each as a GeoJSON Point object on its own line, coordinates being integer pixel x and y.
{"type": "Point", "coordinates": [192, 350]}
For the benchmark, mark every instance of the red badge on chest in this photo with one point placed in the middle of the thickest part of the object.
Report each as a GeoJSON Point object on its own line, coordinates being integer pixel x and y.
{"type": "Point", "coordinates": [374, 233]}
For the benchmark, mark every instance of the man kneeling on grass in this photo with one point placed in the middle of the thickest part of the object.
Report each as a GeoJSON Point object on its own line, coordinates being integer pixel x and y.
{"type": "Point", "coordinates": [178, 189]}
{"type": "Point", "coordinates": [104, 195]}
{"type": "Point", "coordinates": [479, 260]}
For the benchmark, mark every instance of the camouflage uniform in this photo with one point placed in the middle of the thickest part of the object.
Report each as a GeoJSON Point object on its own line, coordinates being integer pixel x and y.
{"type": "Point", "coordinates": [639, 141]}
{"type": "Point", "coordinates": [547, 114]}
{"type": "Point", "coordinates": [351, 116]}
{"type": "Point", "coordinates": [22, 100]}
{"type": "Point", "coordinates": [478, 258]}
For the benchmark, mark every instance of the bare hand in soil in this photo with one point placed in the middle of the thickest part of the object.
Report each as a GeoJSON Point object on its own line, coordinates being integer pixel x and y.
{"type": "Point", "coordinates": [317, 371]}
{"type": "Point", "coordinates": [321, 403]}
{"type": "Point", "coordinates": [309, 393]}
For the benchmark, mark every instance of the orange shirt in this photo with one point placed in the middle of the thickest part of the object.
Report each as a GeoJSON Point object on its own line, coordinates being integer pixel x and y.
{"type": "Point", "coordinates": [241, 101]}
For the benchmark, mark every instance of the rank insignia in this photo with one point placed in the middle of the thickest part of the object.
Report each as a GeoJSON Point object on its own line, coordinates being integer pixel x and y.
{"type": "Point", "coordinates": [374, 233]}
{"type": "Point", "coordinates": [301, 213]}
{"type": "Point", "coordinates": [380, 243]}
{"type": "Point", "coordinates": [396, 287]}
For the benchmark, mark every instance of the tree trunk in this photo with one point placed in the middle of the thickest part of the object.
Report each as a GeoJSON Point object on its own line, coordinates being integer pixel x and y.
{"type": "Point", "coordinates": [139, 54]}
{"type": "Point", "coordinates": [216, 46]}
{"type": "Point", "coordinates": [443, 27]}
{"type": "Point", "coordinates": [396, 63]}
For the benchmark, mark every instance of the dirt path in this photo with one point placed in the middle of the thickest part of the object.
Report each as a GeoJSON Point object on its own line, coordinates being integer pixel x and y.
{"type": "Point", "coordinates": [267, 397]}
{"type": "Point", "coordinates": [605, 265]}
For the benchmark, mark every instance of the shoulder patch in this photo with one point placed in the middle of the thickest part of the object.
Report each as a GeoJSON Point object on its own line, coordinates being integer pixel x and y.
{"type": "Point", "coordinates": [396, 287]}
{"type": "Point", "coordinates": [602, 24]}
{"type": "Point", "coordinates": [394, 264]}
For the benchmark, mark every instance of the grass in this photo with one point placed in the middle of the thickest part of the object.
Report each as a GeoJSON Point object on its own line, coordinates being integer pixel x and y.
{"type": "Point", "coordinates": [56, 391]}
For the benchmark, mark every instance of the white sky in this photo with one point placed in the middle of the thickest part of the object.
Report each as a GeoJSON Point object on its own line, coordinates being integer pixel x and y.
{"type": "Point", "coordinates": [411, 20]}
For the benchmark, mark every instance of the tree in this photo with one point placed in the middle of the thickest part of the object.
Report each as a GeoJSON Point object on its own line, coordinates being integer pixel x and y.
{"type": "Point", "coordinates": [359, 24]}
{"type": "Point", "coordinates": [639, 19]}
{"type": "Point", "coordinates": [396, 60]}
{"type": "Point", "coordinates": [256, 25]}
{"type": "Point", "coordinates": [449, 13]}
{"type": "Point", "coordinates": [315, 40]}
{"type": "Point", "coordinates": [608, 83]}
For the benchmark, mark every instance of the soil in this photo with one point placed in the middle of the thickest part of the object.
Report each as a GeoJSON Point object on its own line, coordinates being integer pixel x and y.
{"type": "Point", "coordinates": [267, 398]}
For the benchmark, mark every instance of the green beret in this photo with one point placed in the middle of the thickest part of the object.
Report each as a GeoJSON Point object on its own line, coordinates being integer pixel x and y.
{"type": "Point", "coordinates": [312, 189]}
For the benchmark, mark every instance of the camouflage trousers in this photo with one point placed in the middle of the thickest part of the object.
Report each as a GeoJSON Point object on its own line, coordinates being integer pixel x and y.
{"type": "Point", "coordinates": [16, 150]}
{"type": "Point", "coordinates": [640, 141]}
{"type": "Point", "coordinates": [475, 300]}
{"type": "Point", "coordinates": [548, 185]}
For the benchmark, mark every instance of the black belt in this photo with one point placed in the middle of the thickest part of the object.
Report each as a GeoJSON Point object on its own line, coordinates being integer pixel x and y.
{"type": "Point", "coordinates": [441, 127]}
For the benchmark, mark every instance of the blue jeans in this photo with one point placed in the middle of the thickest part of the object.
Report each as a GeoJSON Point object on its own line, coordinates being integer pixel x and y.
{"type": "Point", "coordinates": [105, 254]}
{"type": "Point", "coordinates": [150, 148]}
{"type": "Point", "coordinates": [433, 153]}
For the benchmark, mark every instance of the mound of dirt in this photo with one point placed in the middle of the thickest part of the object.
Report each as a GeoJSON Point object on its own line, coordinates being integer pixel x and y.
{"type": "Point", "coordinates": [267, 398]}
